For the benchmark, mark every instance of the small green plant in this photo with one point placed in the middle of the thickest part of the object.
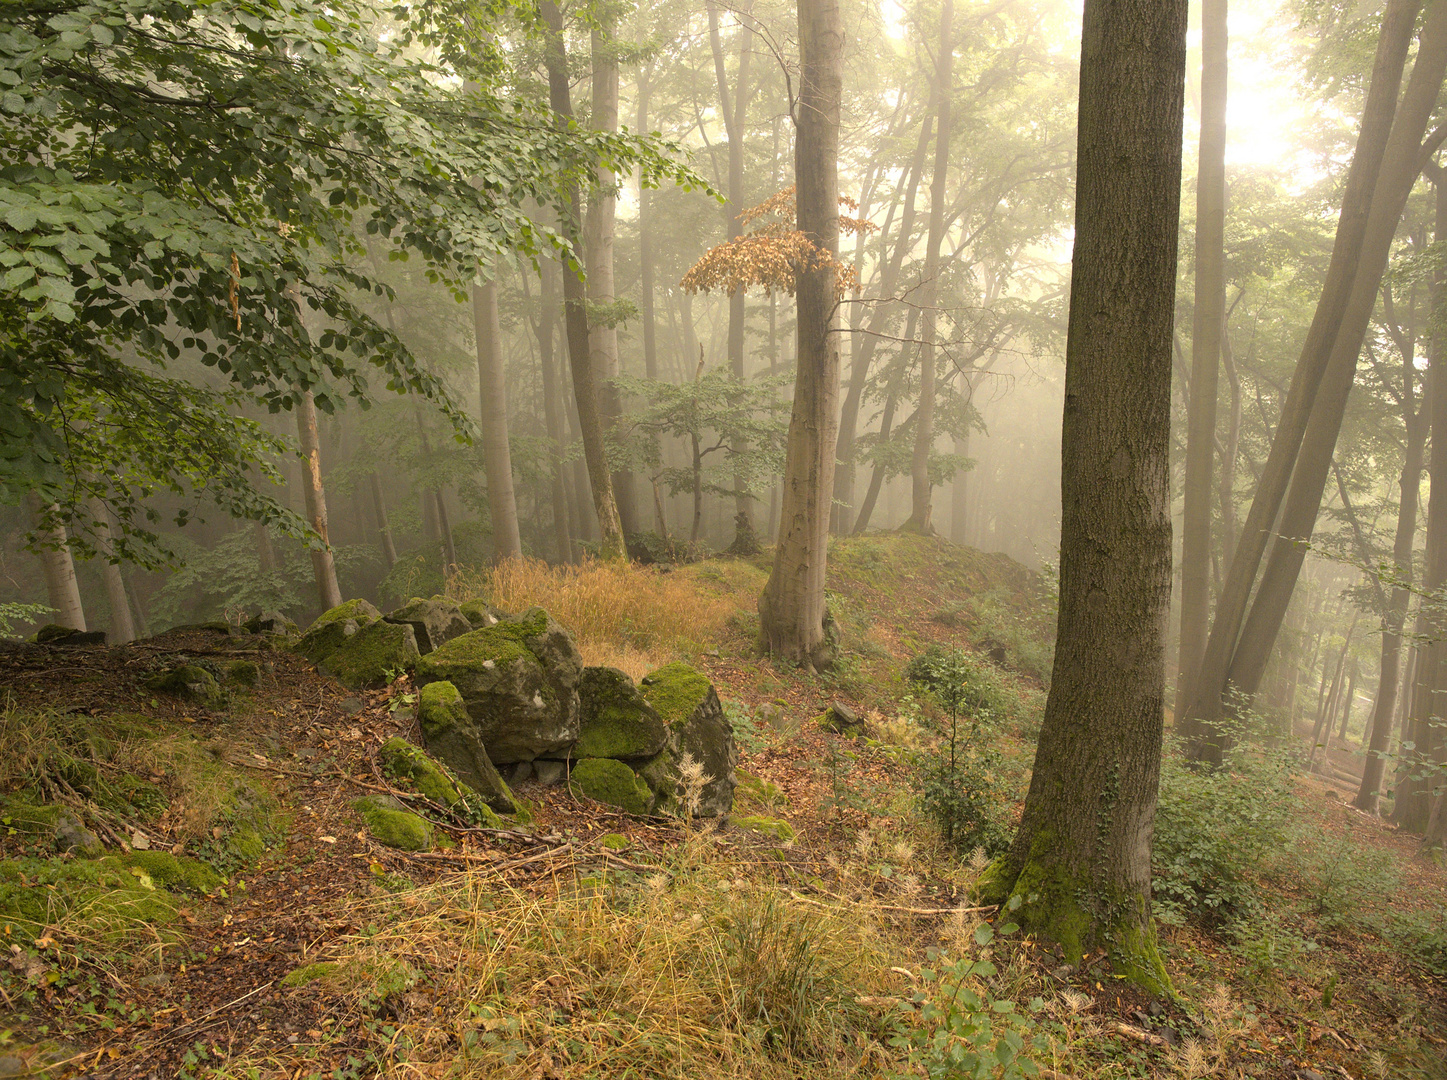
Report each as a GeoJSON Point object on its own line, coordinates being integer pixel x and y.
{"type": "Point", "coordinates": [748, 733]}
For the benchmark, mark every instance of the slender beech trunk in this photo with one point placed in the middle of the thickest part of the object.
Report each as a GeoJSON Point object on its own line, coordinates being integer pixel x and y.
{"type": "Point", "coordinates": [922, 508]}
{"type": "Point", "coordinates": [575, 309]}
{"type": "Point", "coordinates": [53, 549]}
{"type": "Point", "coordinates": [384, 526]}
{"type": "Point", "coordinates": [553, 409]}
{"type": "Point", "coordinates": [266, 551]}
{"type": "Point", "coordinates": [1379, 727]}
{"type": "Point", "coordinates": [1394, 39]}
{"type": "Point", "coordinates": [1230, 451]}
{"type": "Point", "coordinates": [1206, 332]}
{"type": "Point", "coordinates": [1353, 674]}
{"type": "Point", "coordinates": [1371, 206]}
{"type": "Point", "coordinates": [122, 629]}
{"type": "Point", "coordinates": [1080, 866]}
{"type": "Point", "coordinates": [598, 242]}
{"type": "Point", "coordinates": [1327, 712]}
{"type": "Point", "coordinates": [645, 241]}
{"type": "Point", "coordinates": [496, 455]}
{"type": "Point", "coordinates": [886, 426]}
{"type": "Point", "coordinates": [324, 568]}
{"type": "Point", "coordinates": [792, 611]}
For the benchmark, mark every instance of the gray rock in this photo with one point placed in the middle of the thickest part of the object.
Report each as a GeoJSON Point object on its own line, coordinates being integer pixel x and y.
{"type": "Point", "coordinates": [519, 772]}
{"type": "Point", "coordinates": [270, 622]}
{"type": "Point", "coordinates": [451, 736]}
{"type": "Point", "coordinates": [698, 728]}
{"type": "Point", "coordinates": [373, 656]}
{"type": "Point", "coordinates": [434, 621]}
{"type": "Point", "coordinates": [189, 682]}
{"type": "Point", "coordinates": [53, 634]}
{"type": "Point", "coordinates": [842, 719]}
{"type": "Point", "coordinates": [333, 628]}
{"type": "Point", "coordinates": [71, 835]}
{"type": "Point", "coordinates": [548, 773]}
{"type": "Point", "coordinates": [481, 614]}
{"type": "Point", "coordinates": [616, 720]}
{"type": "Point", "coordinates": [519, 680]}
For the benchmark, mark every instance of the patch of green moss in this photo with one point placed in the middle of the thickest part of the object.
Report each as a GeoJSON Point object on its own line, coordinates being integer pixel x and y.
{"type": "Point", "coordinates": [502, 644]}
{"type": "Point", "coordinates": [310, 973]}
{"type": "Point", "coordinates": [410, 765]}
{"type": "Point", "coordinates": [373, 656]}
{"type": "Point", "coordinates": [779, 830]}
{"type": "Point", "coordinates": [94, 899]}
{"type": "Point", "coordinates": [675, 691]}
{"type": "Point", "coordinates": [396, 828]}
{"type": "Point", "coordinates": [33, 819]}
{"type": "Point", "coordinates": [176, 873]}
{"type": "Point", "coordinates": [328, 631]}
{"type": "Point", "coordinates": [478, 612]}
{"type": "Point", "coordinates": [189, 683]}
{"type": "Point", "coordinates": [244, 672]}
{"type": "Point", "coordinates": [439, 707]}
{"type": "Point", "coordinates": [614, 841]}
{"type": "Point", "coordinates": [612, 782]}
{"type": "Point", "coordinates": [617, 722]}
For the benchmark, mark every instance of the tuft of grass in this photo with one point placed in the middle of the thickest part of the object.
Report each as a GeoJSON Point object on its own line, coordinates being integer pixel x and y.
{"type": "Point", "coordinates": [622, 615]}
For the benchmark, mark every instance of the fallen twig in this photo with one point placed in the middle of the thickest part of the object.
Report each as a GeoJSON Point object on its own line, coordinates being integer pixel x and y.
{"type": "Point", "coordinates": [895, 907]}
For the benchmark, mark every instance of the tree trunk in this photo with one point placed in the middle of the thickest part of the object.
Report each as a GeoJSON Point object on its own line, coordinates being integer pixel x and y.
{"type": "Point", "coordinates": [598, 241]}
{"type": "Point", "coordinates": [645, 240]}
{"type": "Point", "coordinates": [585, 387]}
{"type": "Point", "coordinates": [1202, 718]}
{"type": "Point", "coordinates": [53, 549]}
{"type": "Point", "coordinates": [266, 551]}
{"type": "Point", "coordinates": [1081, 861]}
{"type": "Point", "coordinates": [886, 425]}
{"type": "Point", "coordinates": [1346, 713]}
{"type": "Point", "coordinates": [553, 409]}
{"type": "Point", "coordinates": [122, 629]}
{"type": "Point", "coordinates": [1206, 331]}
{"type": "Point", "coordinates": [791, 608]}
{"type": "Point", "coordinates": [1379, 727]}
{"type": "Point", "coordinates": [1230, 452]}
{"type": "Point", "coordinates": [496, 454]}
{"type": "Point", "coordinates": [733, 107]}
{"type": "Point", "coordinates": [1401, 166]}
{"type": "Point", "coordinates": [922, 508]}
{"type": "Point", "coordinates": [384, 526]}
{"type": "Point", "coordinates": [328, 592]}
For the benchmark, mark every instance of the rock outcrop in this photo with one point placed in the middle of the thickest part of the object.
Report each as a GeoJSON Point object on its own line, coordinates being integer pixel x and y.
{"type": "Point", "coordinates": [699, 732]}
{"type": "Point", "coordinates": [353, 643]}
{"type": "Point", "coordinates": [451, 736]}
{"type": "Point", "coordinates": [434, 621]}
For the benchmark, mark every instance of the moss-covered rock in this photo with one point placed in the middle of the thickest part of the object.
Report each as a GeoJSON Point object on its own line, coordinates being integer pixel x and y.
{"type": "Point", "coordinates": [373, 656]}
{"type": "Point", "coordinates": [177, 873]}
{"type": "Point", "coordinates": [334, 627]}
{"type": "Point", "coordinates": [244, 672]}
{"type": "Point", "coordinates": [190, 683]}
{"type": "Point", "coordinates": [433, 621]}
{"type": "Point", "coordinates": [271, 622]}
{"type": "Point", "coordinates": [310, 973]}
{"type": "Point", "coordinates": [612, 782]}
{"type": "Point", "coordinates": [393, 826]}
{"type": "Point", "coordinates": [686, 701]}
{"type": "Point", "coordinates": [451, 737]}
{"type": "Point", "coordinates": [412, 767]}
{"type": "Point", "coordinates": [779, 830]}
{"type": "Point", "coordinates": [616, 721]}
{"type": "Point", "coordinates": [519, 681]}
{"type": "Point", "coordinates": [480, 614]}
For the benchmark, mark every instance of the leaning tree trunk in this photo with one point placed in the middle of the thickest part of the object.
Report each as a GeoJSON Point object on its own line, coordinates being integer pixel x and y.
{"type": "Point", "coordinates": [1203, 714]}
{"type": "Point", "coordinates": [1401, 166]}
{"type": "Point", "coordinates": [53, 549]}
{"type": "Point", "coordinates": [123, 629]}
{"type": "Point", "coordinates": [922, 510]}
{"type": "Point", "coordinates": [575, 308]}
{"type": "Point", "coordinates": [323, 566]}
{"type": "Point", "coordinates": [791, 608]}
{"type": "Point", "coordinates": [734, 109]}
{"type": "Point", "coordinates": [496, 454]}
{"type": "Point", "coordinates": [1080, 864]}
{"type": "Point", "coordinates": [1207, 327]}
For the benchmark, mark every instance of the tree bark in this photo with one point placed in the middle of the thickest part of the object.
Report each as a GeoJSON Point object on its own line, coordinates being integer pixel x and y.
{"type": "Point", "coordinates": [496, 454]}
{"type": "Point", "coordinates": [553, 407]}
{"type": "Point", "coordinates": [384, 526]}
{"type": "Point", "coordinates": [1081, 861]}
{"type": "Point", "coordinates": [575, 309]}
{"type": "Point", "coordinates": [1202, 718]}
{"type": "Point", "coordinates": [1206, 332]}
{"type": "Point", "coordinates": [791, 608]}
{"type": "Point", "coordinates": [645, 240]}
{"type": "Point", "coordinates": [122, 628]}
{"type": "Point", "coordinates": [53, 549]}
{"type": "Point", "coordinates": [921, 518]}
{"type": "Point", "coordinates": [1401, 165]}
{"type": "Point", "coordinates": [323, 567]}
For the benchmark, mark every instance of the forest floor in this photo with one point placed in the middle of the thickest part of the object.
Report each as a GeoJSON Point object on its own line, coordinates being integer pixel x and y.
{"type": "Point", "coordinates": [598, 944]}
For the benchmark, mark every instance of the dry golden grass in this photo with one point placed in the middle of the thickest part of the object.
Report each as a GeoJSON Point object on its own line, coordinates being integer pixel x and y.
{"type": "Point", "coordinates": [625, 616]}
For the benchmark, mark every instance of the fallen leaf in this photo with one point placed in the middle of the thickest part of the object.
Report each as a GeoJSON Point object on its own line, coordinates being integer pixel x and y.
{"type": "Point", "coordinates": [327, 839]}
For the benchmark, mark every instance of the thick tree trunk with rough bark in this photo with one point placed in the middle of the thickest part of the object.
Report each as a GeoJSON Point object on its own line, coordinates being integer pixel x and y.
{"type": "Point", "coordinates": [1202, 716]}
{"type": "Point", "coordinates": [325, 570]}
{"type": "Point", "coordinates": [1401, 166]}
{"type": "Point", "coordinates": [1081, 861]}
{"type": "Point", "coordinates": [53, 549]}
{"type": "Point", "coordinates": [921, 518]}
{"type": "Point", "coordinates": [575, 309]}
{"type": "Point", "coordinates": [496, 454]}
{"type": "Point", "coordinates": [791, 609]}
{"type": "Point", "coordinates": [1207, 328]}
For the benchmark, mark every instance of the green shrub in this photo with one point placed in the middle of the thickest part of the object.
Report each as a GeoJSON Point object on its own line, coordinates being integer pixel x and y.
{"type": "Point", "coordinates": [1214, 830]}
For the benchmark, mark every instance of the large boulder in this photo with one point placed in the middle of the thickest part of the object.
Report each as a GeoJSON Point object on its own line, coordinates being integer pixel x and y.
{"type": "Point", "coordinates": [616, 720]}
{"type": "Point", "coordinates": [519, 680]}
{"type": "Point", "coordinates": [270, 622]}
{"type": "Point", "coordinates": [698, 729]}
{"type": "Point", "coordinates": [373, 656]}
{"type": "Point", "coordinates": [433, 621]}
{"type": "Point", "coordinates": [480, 613]}
{"type": "Point", "coordinates": [333, 628]}
{"type": "Point", "coordinates": [450, 735]}
{"type": "Point", "coordinates": [612, 782]}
